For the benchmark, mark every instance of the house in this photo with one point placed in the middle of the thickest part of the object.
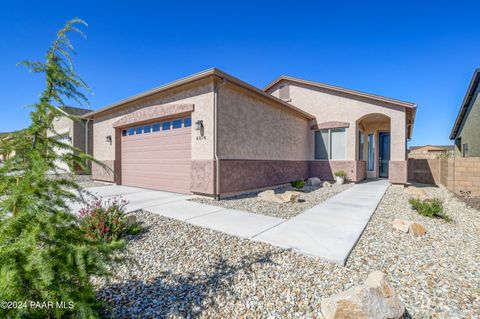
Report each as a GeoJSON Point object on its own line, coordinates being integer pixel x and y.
{"type": "Point", "coordinates": [77, 133]}
{"type": "Point", "coordinates": [465, 130]}
{"type": "Point", "coordinates": [213, 134]}
{"type": "Point", "coordinates": [430, 151]}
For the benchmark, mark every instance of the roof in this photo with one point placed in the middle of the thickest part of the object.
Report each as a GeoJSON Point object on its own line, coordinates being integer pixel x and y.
{"type": "Point", "coordinates": [466, 104]}
{"type": "Point", "coordinates": [340, 89]}
{"type": "Point", "coordinates": [196, 77]}
{"type": "Point", "coordinates": [432, 147]}
{"type": "Point", "coordinates": [75, 110]}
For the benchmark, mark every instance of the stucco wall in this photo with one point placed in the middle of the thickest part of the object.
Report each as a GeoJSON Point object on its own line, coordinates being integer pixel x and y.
{"type": "Point", "coordinates": [328, 105]}
{"type": "Point", "coordinates": [253, 128]}
{"type": "Point", "coordinates": [199, 93]}
{"type": "Point", "coordinates": [469, 132]}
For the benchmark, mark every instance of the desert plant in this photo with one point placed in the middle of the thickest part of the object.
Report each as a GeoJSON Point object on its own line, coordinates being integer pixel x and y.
{"type": "Point", "coordinates": [429, 207]}
{"type": "Point", "coordinates": [297, 184]}
{"type": "Point", "coordinates": [134, 229]}
{"type": "Point", "coordinates": [44, 257]}
{"type": "Point", "coordinates": [342, 174]}
{"type": "Point", "coordinates": [104, 220]}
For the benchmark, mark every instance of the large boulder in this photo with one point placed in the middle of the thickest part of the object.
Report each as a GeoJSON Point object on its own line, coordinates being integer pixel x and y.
{"type": "Point", "coordinates": [417, 229]}
{"type": "Point", "coordinates": [416, 192]}
{"type": "Point", "coordinates": [376, 298]}
{"type": "Point", "coordinates": [313, 181]}
{"type": "Point", "coordinates": [269, 196]}
{"type": "Point", "coordinates": [401, 225]}
{"type": "Point", "coordinates": [290, 197]}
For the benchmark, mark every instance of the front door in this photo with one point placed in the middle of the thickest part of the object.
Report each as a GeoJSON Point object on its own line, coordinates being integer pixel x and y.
{"type": "Point", "coordinates": [384, 153]}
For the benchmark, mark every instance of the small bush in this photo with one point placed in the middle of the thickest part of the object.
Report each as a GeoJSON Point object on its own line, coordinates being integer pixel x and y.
{"type": "Point", "coordinates": [298, 183]}
{"type": "Point", "coordinates": [134, 229]}
{"type": "Point", "coordinates": [341, 174]}
{"type": "Point", "coordinates": [104, 220]}
{"type": "Point", "coordinates": [429, 207]}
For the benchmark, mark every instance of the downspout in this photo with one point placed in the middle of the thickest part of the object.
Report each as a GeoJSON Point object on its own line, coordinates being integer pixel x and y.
{"type": "Point", "coordinates": [86, 144]}
{"type": "Point", "coordinates": [215, 138]}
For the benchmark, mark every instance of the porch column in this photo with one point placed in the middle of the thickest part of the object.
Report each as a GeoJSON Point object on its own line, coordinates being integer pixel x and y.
{"type": "Point", "coordinates": [398, 152]}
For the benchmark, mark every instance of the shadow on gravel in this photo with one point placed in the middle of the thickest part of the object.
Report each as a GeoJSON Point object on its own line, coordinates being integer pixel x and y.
{"type": "Point", "coordinates": [185, 296]}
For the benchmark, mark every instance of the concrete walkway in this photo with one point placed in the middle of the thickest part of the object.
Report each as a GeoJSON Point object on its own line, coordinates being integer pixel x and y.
{"type": "Point", "coordinates": [328, 231]}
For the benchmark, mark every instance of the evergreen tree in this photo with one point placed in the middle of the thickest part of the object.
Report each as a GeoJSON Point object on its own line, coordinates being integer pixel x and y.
{"type": "Point", "coordinates": [44, 257]}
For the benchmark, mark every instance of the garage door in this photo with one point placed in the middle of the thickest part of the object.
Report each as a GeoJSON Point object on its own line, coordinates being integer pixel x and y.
{"type": "Point", "coordinates": [158, 155]}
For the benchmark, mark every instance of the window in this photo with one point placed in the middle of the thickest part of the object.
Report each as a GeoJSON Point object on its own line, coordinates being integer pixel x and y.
{"type": "Point", "coordinates": [177, 124]}
{"type": "Point", "coordinates": [131, 131]}
{"type": "Point", "coordinates": [371, 152]}
{"type": "Point", "coordinates": [147, 128]}
{"type": "Point", "coordinates": [330, 144]}
{"type": "Point", "coordinates": [156, 127]}
{"type": "Point", "coordinates": [322, 145]}
{"type": "Point", "coordinates": [187, 122]}
{"type": "Point", "coordinates": [165, 126]}
{"type": "Point", "coordinates": [361, 146]}
{"type": "Point", "coordinates": [124, 132]}
{"type": "Point", "coordinates": [284, 92]}
{"type": "Point", "coordinates": [139, 130]}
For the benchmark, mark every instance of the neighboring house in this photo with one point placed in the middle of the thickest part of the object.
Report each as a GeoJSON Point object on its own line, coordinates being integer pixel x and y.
{"type": "Point", "coordinates": [465, 131]}
{"type": "Point", "coordinates": [430, 151]}
{"type": "Point", "coordinates": [213, 134]}
{"type": "Point", "coordinates": [78, 134]}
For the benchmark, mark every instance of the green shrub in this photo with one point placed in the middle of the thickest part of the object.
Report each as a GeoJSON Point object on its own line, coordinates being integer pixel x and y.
{"type": "Point", "coordinates": [135, 229]}
{"type": "Point", "coordinates": [341, 174]}
{"type": "Point", "coordinates": [298, 183]}
{"type": "Point", "coordinates": [429, 207]}
{"type": "Point", "coordinates": [104, 220]}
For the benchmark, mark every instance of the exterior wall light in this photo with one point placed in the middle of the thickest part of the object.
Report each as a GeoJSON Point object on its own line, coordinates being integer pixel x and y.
{"type": "Point", "coordinates": [108, 139]}
{"type": "Point", "coordinates": [199, 125]}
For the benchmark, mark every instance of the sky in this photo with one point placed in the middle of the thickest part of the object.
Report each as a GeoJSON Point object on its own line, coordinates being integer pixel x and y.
{"type": "Point", "coordinates": [418, 51]}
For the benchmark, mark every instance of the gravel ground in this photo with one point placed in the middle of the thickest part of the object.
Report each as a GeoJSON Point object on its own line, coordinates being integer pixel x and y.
{"type": "Point", "coordinates": [471, 201]}
{"type": "Point", "coordinates": [310, 197]}
{"type": "Point", "coordinates": [182, 271]}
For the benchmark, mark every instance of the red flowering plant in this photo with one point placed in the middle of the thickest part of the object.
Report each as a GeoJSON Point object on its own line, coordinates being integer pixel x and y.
{"type": "Point", "coordinates": [104, 220]}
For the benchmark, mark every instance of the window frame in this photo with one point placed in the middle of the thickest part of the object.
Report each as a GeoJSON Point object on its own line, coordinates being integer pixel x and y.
{"type": "Point", "coordinates": [329, 141]}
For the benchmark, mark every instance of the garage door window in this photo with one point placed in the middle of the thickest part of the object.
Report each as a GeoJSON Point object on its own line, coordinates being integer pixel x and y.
{"type": "Point", "coordinates": [187, 122]}
{"type": "Point", "coordinates": [156, 127]}
{"type": "Point", "coordinates": [139, 130]}
{"type": "Point", "coordinates": [165, 126]}
{"type": "Point", "coordinates": [177, 124]}
{"type": "Point", "coordinates": [131, 131]}
{"type": "Point", "coordinates": [147, 129]}
{"type": "Point", "coordinates": [124, 132]}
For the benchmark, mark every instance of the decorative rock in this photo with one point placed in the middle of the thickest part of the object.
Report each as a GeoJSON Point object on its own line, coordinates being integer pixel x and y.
{"type": "Point", "coordinates": [416, 192]}
{"type": "Point", "coordinates": [326, 184]}
{"type": "Point", "coordinates": [290, 197]}
{"type": "Point", "coordinates": [269, 196]}
{"type": "Point", "coordinates": [313, 181]}
{"type": "Point", "coordinates": [401, 225]}
{"type": "Point", "coordinates": [376, 298]}
{"type": "Point", "coordinates": [417, 229]}
{"type": "Point", "coordinates": [131, 220]}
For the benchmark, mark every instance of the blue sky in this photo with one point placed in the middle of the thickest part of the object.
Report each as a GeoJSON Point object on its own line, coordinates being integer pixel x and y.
{"type": "Point", "coordinates": [419, 51]}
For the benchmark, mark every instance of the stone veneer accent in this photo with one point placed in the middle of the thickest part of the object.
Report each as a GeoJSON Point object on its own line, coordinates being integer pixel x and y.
{"type": "Point", "coordinates": [203, 177]}
{"type": "Point", "coordinates": [397, 172]}
{"type": "Point", "coordinates": [325, 170]}
{"type": "Point", "coordinates": [104, 174]}
{"type": "Point", "coordinates": [241, 175]}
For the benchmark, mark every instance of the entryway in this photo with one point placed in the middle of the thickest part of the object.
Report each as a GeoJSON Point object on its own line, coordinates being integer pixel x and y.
{"type": "Point", "coordinates": [383, 153]}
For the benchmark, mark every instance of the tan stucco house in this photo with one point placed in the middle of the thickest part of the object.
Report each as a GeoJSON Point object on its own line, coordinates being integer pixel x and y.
{"type": "Point", "coordinates": [213, 134]}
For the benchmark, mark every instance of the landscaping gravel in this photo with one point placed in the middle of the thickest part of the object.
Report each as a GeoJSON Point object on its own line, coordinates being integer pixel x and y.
{"type": "Point", "coordinates": [178, 270]}
{"type": "Point", "coordinates": [309, 197]}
